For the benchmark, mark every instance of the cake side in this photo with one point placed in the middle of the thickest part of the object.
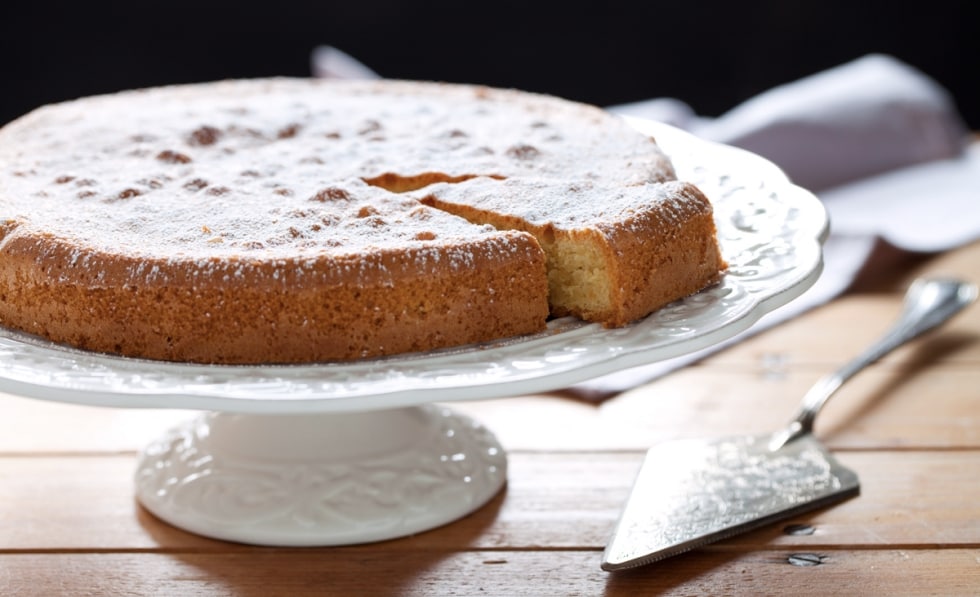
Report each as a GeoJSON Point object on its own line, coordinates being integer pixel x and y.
{"type": "Point", "coordinates": [614, 254]}
{"type": "Point", "coordinates": [661, 254]}
{"type": "Point", "coordinates": [229, 223]}
{"type": "Point", "coordinates": [284, 311]}
{"type": "Point", "coordinates": [279, 220]}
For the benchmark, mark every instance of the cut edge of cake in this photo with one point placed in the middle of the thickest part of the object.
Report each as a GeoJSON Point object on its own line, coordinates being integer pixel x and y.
{"type": "Point", "coordinates": [613, 270]}
{"type": "Point", "coordinates": [616, 271]}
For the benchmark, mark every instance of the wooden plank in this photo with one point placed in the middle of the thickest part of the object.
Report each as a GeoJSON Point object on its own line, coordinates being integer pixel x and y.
{"type": "Point", "coordinates": [845, 326]}
{"type": "Point", "coordinates": [891, 271]}
{"type": "Point", "coordinates": [834, 333]}
{"type": "Point", "coordinates": [70, 526]}
{"type": "Point", "coordinates": [29, 426]}
{"type": "Point", "coordinates": [370, 572]}
{"type": "Point", "coordinates": [556, 501]}
{"type": "Point", "coordinates": [963, 262]}
{"type": "Point", "coordinates": [798, 351]}
{"type": "Point", "coordinates": [883, 407]}
{"type": "Point", "coordinates": [886, 406]}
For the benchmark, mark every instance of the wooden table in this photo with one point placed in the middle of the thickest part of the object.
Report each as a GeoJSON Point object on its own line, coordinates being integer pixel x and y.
{"type": "Point", "coordinates": [909, 426]}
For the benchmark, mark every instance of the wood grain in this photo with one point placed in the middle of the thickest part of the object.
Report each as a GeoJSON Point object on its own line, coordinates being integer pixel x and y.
{"type": "Point", "coordinates": [371, 572]}
{"type": "Point", "coordinates": [87, 502]}
{"type": "Point", "coordinates": [909, 426]}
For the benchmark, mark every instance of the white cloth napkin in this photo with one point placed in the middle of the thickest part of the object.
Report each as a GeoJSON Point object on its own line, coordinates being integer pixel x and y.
{"type": "Point", "coordinates": [880, 143]}
{"type": "Point", "coordinates": [866, 117]}
{"type": "Point", "coordinates": [328, 62]}
{"type": "Point", "coordinates": [882, 146]}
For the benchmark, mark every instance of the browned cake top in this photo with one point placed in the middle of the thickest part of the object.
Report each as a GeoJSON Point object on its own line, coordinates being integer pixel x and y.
{"type": "Point", "coordinates": [252, 171]}
{"type": "Point", "coordinates": [572, 205]}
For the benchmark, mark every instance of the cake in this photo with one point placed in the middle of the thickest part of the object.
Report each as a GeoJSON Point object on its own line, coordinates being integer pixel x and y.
{"type": "Point", "coordinates": [614, 254]}
{"type": "Point", "coordinates": [296, 220]}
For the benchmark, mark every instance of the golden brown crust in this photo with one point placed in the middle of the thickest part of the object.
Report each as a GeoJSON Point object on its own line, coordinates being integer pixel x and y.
{"type": "Point", "coordinates": [279, 220]}
{"type": "Point", "coordinates": [625, 251]}
{"type": "Point", "coordinates": [661, 255]}
{"type": "Point", "coordinates": [265, 315]}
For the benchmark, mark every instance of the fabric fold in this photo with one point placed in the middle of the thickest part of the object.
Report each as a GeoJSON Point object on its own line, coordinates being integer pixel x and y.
{"type": "Point", "coordinates": [884, 149]}
{"type": "Point", "coordinates": [879, 142]}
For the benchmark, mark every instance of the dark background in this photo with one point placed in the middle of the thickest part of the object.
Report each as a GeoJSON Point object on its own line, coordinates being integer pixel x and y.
{"type": "Point", "coordinates": [712, 55]}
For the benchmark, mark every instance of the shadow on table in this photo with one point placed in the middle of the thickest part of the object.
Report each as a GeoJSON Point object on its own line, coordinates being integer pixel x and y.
{"type": "Point", "coordinates": [926, 353]}
{"type": "Point", "coordinates": [190, 564]}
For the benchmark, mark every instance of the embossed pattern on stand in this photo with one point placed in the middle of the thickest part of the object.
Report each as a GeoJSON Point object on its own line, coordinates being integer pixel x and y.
{"type": "Point", "coordinates": [450, 469]}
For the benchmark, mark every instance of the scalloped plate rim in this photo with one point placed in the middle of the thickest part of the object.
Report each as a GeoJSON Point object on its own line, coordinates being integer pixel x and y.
{"type": "Point", "coordinates": [384, 394]}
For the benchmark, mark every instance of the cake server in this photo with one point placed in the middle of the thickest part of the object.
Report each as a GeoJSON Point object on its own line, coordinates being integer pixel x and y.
{"type": "Point", "coordinates": [689, 493]}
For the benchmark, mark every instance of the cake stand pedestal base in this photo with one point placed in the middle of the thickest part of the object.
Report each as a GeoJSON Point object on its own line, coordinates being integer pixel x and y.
{"type": "Point", "coordinates": [320, 479]}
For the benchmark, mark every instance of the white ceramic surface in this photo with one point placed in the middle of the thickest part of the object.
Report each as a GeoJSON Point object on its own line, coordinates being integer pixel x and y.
{"type": "Point", "coordinates": [770, 231]}
{"type": "Point", "coordinates": [347, 453]}
{"type": "Point", "coordinates": [322, 479]}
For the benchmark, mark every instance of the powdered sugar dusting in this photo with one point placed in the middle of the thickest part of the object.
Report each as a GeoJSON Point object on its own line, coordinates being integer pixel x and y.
{"type": "Point", "coordinates": [573, 206]}
{"type": "Point", "coordinates": [229, 175]}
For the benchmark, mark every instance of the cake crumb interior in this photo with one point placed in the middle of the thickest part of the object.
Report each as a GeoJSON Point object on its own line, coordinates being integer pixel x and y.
{"type": "Point", "coordinates": [577, 280]}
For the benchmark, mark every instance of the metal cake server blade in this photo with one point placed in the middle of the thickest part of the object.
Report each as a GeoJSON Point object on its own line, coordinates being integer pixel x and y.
{"type": "Point", "coordinates": [689, 493]}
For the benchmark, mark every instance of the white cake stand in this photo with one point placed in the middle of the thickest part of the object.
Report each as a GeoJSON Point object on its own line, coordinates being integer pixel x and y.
{"type": "Point", "coordinates": [351, 453]}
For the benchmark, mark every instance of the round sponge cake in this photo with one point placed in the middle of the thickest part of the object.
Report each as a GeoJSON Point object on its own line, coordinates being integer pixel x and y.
{"type": "Point", "coordinates": [289, 220]}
